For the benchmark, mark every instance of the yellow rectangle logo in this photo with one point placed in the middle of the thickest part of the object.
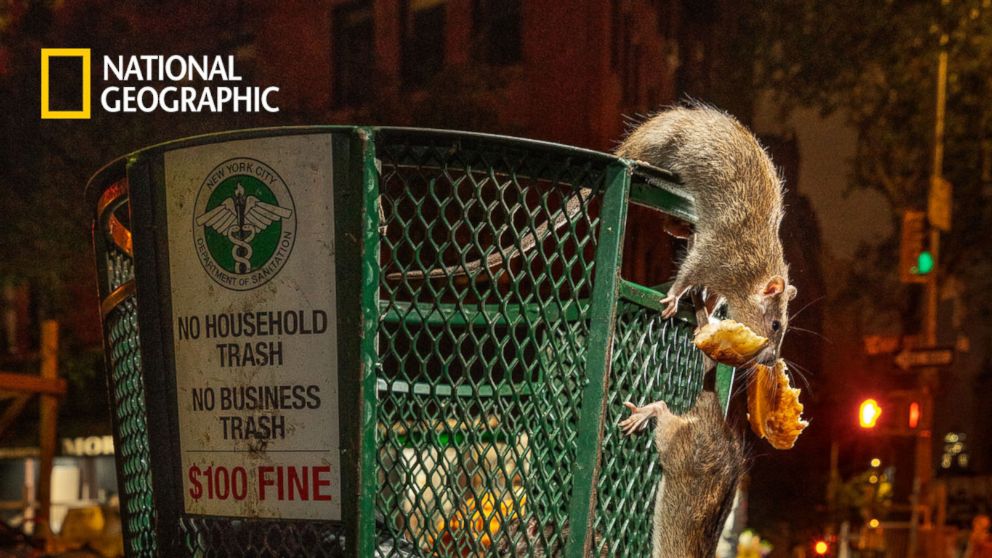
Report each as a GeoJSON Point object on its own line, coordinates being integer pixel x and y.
{"type": "Point", "coordinates": [46, 54]}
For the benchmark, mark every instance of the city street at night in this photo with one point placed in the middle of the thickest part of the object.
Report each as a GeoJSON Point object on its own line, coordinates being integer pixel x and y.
{"type": "Point", "coordinates": [496, 278]}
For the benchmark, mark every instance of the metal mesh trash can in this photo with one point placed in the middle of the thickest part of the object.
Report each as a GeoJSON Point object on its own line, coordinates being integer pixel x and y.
{"type": "Point", "coordinates": [382, 342]}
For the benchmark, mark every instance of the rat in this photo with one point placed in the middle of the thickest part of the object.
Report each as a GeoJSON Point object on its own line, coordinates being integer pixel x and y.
{"type": "Point", "coordinates": [735, 252]}
{"type": "Point", "coordinates": [702, 462]}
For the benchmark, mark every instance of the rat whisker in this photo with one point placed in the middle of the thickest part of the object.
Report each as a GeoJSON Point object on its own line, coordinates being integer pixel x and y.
{"type": "Point", "coordinates": [810, 331]}
{"type": "Point", "coordinates": [795, 365]}
{"type": "Point", "coordinates": [801, 373]}
{"type": "Point", "coordinates": [808, 304]}
{"type": "Point", "coordinates": [742, 379]}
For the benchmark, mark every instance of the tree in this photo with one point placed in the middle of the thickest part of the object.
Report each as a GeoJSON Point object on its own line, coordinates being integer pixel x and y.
{"type": "Point", "coordinates": [876, 63]}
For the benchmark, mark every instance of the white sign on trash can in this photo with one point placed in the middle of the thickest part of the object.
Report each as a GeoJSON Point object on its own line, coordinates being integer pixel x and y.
{"type": "Point", "coordinates": [251, 274]}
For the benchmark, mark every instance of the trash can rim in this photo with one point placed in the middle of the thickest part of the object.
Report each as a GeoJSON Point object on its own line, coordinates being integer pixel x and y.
{"type": "Point", "coordinates": [114, 169]}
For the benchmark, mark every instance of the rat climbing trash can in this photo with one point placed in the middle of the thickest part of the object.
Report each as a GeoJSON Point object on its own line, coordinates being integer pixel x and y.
{"type": "Point", "coordinates": [382, 342]}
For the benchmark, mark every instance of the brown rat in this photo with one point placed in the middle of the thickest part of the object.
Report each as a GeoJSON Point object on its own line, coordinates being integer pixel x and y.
{"type": "Point", "coordinates": [736, 252]}
{"type": "Point", "coordinates": [702, 462]}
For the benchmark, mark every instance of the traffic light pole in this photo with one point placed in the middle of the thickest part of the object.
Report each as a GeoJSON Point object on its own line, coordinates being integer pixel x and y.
{"type": "Point", "coordinates": [928, 377]}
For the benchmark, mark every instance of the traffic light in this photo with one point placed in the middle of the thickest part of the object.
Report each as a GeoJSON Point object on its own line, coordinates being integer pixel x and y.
{"type": "Point", "coordinates": [924, 262]}
{"type": "Point", "coordinates": [907, 411]}
{"type": "Point", "coordinates": [868, 413]}
{"type": "Point", "coordinates": [821, 547]}
{"type": "Point", "coordinates": [915, 258]}
{"type": "Point", "coordinates": [913, 418]}
{"type": "Point", "coordinates": [903, 413]}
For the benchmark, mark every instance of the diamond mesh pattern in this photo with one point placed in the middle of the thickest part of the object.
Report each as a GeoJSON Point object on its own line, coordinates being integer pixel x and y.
{"type": "Point", "coordinates": [480, 372]}
{"type": "Point", "coordinates": [120, 269]}
{"type": "Point", "coordinates": [207, 537]}
{"type": "Point", "coordinates": [652, 359]}
{"type": "Point", "coordinates": [480, 377]}
{"type": "Point", "coordinates": [127, 391]}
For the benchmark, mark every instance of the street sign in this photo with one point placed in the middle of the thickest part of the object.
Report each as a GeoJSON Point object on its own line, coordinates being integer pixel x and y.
{"type": "Point", "coordinates": [918, 358]}
{"type": "Point", "coordinates": [255, 336]}
{"type": "Point", "coordinates": [939, 203]}
{"type": "Point", "coordinates": [881, 344]}
{"type": "Point", "coordinates": [887, 344]}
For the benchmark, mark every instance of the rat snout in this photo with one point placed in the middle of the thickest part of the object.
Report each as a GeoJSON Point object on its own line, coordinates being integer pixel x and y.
{"type": "Point", "coordinates": [768, 355]}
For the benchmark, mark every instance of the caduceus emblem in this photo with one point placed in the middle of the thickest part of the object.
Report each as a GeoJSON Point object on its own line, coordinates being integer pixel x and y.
{"type": "Point", "coordinates": [240, 218]}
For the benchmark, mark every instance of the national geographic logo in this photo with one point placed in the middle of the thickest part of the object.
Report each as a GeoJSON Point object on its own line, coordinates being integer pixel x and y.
{"type": "Point", "coordinates": [185, 84]}
{"type": "Point", "coordinates": [64, 55]}
{"type": "Point", "coordinates": [244, 224]}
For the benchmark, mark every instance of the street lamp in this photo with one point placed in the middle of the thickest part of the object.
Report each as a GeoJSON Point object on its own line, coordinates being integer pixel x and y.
{"type": "Point", "coordinates": [868, 413]}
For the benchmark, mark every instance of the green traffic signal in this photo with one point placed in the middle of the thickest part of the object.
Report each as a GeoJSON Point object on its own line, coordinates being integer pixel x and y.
{"type": "Point", "coordinates": [924, 263]}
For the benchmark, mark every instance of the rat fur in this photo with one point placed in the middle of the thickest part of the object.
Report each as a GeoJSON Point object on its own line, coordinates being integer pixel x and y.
{"type": "Point", "coordinates": [703, 462]}
{"type": "Point", "coordinates": [736, 252]}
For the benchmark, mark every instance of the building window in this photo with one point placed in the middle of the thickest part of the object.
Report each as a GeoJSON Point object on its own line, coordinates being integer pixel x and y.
{"type": "Point", "coordinates": [423, 40]}
{"type": "Point", "coordinates": [354, 52]}
{"type": "Point", "coordinates": [496, 25]}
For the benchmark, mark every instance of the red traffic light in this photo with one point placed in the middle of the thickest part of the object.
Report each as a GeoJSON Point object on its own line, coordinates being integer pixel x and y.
{"type": "Point", "coordinates": [868, 413]}
{"type": "Point", "coordinates": [914, 414]}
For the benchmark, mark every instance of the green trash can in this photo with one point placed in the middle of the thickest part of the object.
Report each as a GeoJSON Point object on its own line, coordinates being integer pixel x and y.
{"type": "Point", "coordinates": [306, 356]}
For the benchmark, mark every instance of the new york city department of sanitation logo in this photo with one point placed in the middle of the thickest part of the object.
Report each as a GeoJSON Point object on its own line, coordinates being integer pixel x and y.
{"type": "Point", "coordinates": [244, 223]}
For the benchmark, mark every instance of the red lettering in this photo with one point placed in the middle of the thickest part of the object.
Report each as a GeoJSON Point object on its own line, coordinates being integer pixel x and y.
{"type": "Point", "coordinates": [292, 483]}
{"type": "Point", "coordinates": [239, 480]}
{"type": "Point", "coordinates": [264, 481]}
{"type": "Point", "coordinates": [319, 482]}
{"type": "Point", "coordinates": [298, 483]}
{"type": "Point", "coordinates": [223, 484]}
{"type": "Point", "coordinates": [196, 490]}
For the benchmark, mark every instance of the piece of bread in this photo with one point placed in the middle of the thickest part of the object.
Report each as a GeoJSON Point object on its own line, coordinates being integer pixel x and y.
{"type": "Point", "coordinates": [729, 342]}
{"type": "Point", "coordinates": [773, 406]}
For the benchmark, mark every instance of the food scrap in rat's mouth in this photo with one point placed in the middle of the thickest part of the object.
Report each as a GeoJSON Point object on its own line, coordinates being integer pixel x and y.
{"type": "Point", "coordinates": [729, 342]}
{"type": "Point", "coordinates": [773, 406]}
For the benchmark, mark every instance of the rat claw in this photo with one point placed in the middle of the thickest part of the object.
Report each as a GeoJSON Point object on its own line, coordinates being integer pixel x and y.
{"type": "Point", "coordinates": [671, 303]}
{"type": "Point", "coordinates": [638, 418]}
{"type": "Point", "coordinates": [635, 423]}
{"type": "Point", "coordinates": [630, 425]}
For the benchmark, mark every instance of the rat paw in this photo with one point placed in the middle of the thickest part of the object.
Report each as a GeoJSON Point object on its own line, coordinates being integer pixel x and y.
{"type": "Point", "coordinates": [671, 301]}
{"type": "Point", "coordinates": [641, 415]}
{"type": "Point", "coordinates": [671, 304]}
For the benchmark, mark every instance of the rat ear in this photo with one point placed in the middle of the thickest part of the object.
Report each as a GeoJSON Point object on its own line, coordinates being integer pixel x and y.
{"type": "Point", "coordinates": [790, 292]}
{"type": "Point", "coordinates": [775, 286]}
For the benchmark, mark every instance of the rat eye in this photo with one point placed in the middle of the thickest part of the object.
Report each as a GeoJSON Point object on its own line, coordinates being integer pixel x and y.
{"type": "Point", "coordinates": [776, 325]}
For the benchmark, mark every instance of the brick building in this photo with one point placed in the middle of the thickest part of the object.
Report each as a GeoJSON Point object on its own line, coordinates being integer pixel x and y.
{"type": "Point", "coordinates": [563, 71]}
